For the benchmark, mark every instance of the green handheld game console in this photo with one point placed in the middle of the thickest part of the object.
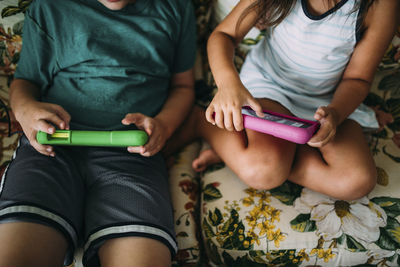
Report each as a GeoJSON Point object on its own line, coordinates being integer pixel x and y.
{"type": "Point", "coordinates": [93, 138]}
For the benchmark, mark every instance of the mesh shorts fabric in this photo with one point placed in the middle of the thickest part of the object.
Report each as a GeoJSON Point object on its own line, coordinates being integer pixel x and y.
{"type": "Point", "coordinates": [90, 194]}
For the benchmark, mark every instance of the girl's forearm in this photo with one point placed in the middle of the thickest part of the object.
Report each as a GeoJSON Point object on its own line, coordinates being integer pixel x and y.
{"type": "Point", "coordinates": [221, 51]}
{"type": "Point", "coordinates": [349, 94]}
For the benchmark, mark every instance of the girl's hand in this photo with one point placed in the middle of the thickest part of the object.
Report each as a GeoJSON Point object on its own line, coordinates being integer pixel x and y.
{"type": "Point", "coordinates": [155, 130]}
{"type": "Point", "coordinates": [328, 119]}
{"type": "Point", "coordinates": [34, 116]}
{"type": "Point", "coordinates": [225, 110]}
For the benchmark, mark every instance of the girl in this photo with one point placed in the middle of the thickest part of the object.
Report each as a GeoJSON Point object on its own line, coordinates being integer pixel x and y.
{"type": "Point", "coordinates": [96, 65]}
{"type": "Point", "coordinates": [317, 61]}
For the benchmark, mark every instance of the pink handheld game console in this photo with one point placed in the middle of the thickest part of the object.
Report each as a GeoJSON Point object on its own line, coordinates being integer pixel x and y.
{"type": "Point", "coordinates": [291, 128]}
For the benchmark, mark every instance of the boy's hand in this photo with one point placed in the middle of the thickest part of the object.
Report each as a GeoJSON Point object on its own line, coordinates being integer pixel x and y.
{"type": "Point", "coordinates": [225, 110]}
{"type": "Point", "coordinates": [34, 116]}
{"type": "Point", "coordinates": [328, 119]}
{"type": "Point", "coordinates": [153, 127]}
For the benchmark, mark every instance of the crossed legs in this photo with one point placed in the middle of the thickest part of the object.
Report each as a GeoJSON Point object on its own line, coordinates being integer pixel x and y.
{"type": "Point", "coordinates": [342, 169]}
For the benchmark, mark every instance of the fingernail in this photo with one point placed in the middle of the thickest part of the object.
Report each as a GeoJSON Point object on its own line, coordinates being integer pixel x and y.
{"type": "Point", "coordinates": [48, 149]}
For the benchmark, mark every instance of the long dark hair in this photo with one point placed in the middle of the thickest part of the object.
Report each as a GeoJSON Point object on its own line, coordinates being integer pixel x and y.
{"type": "Point", "coordinates": [272, 12]}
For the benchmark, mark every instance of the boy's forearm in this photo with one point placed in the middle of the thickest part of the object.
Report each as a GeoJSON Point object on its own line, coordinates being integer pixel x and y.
{"type": "Point", "coordinates": [348, 96]}
{"type": "Point", "coordinates": [176, 108]}
{"type": "Point", "coordinates": [21, 92]}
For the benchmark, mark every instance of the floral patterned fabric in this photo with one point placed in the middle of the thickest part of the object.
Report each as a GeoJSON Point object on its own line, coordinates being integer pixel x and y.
{"type": "Point", "coordinates": [220, 221]}
{"type": "Point", "coordinates": [294, 226]}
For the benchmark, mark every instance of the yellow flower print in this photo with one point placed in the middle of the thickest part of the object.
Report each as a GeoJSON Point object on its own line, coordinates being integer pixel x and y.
{"type": "Point", "coordinates": [326, 255]}
{"type": "Point", "coordinates": [254, 238]}
{"type": "Point", "coordinates": [265, 197]}
{"type": "Point", "coordinates": [251, 192]}
{"type": "Point", "coordinates": [303, 255]}
{"type": "Point", "coordinates": [276, 236]}
{"type": "Point", "coordinates": [248, 201]}
{"type": "Point", "coordinates": [265, 227]}
{"type": "Point", "coordinates": [274, 214]}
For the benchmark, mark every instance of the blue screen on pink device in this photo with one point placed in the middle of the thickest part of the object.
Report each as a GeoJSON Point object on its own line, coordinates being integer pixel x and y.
{"type": "Point", "coordinates": [270, 117]}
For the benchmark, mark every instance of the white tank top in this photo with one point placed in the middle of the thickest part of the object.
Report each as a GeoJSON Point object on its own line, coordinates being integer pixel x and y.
{"type": "Point", "coordinates": [300, 61]}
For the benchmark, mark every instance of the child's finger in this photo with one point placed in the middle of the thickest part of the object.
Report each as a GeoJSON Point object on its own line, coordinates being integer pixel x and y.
{"type": "Point", "coordinates": [148, 126]}
{"type": "Point", "coordinates": [153, 146]}
{"type": "Point", "coordinates": [228, 123]}
{"type": "Point", "coordinates": [46, 127]}
{"type": "Point", "coordinates": [320, 113]}
{"type": "Point", "coordinates": [54, 119]}
{"type": "Point", "coordinates": [237, 120]}
{"type": "Point", "coordinates": [135, 149]}
{"type": "Point", "coordinates": [64, 115]}
{"type": "Point", "coordinates": [132, 118]}
{"type": "Point", "coordinates": [210, 113]}
{"type": "Point", "coordinates": [323, 136]}
{"type": "Point", "coordinates": [256, 107]}
{"type": "Point", "coordinates": [219, 119]}
{"type": "Point", "coordinates": [46, 150]}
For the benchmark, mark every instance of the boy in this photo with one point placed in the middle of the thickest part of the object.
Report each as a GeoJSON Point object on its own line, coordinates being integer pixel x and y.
{"type": "Point", "coordinates": [88, 64]}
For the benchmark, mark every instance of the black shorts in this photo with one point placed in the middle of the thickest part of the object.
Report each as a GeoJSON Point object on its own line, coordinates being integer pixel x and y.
{"type": "Point", "coordinates": [90, 194]}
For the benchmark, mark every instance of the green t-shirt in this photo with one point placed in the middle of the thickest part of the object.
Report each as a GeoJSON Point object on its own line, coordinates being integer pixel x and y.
{"type": "Point", "coordinates": [101, 64]}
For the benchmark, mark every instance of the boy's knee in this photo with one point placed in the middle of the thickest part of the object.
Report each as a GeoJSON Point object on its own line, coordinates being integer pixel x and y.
{"type": "Point", "coordinates": [263, 176]}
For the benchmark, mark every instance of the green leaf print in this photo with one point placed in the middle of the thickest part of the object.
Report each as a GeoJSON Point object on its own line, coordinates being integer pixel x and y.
{"type": "Point", "coordinates": [390, 205]}
{"type": "Point", "coordinates": [256, 255]}
{"type": "Point", "coordinates": [394, 158]}
{"type": "Point", "coordinates": [211, 193]}
{"type": "Point", "coordinates": [207, 229]}
{"type": "Point", "coordinates": [212, 252]}
{"type": "Point", "coordinates": [240, 261]}
{"type": "Point", "coordinates": [390, 235]}
{"type": "Point", "coordinates": [353, 244]}
{"type": "Point", "coordinates": [340, 240]}
{"type": "Point", "coordinates": [23, 4]}
{"type": "Point", "coordinates": [10, 11]}
{"type": "Point", "coordinates": [287, 192]}
{"type": "Point", "coordinates": [391, 83]}
{"type": "Point", "coordinates": [215, 218]}
{"type": "Point", "coordinates": [302, 223]}
{"type": "Point", "coordinates": [373, 99]}
{"type": "Point", "coordinates": [393, 106]}
{"type": "Point", "coordinates": [17, 28]}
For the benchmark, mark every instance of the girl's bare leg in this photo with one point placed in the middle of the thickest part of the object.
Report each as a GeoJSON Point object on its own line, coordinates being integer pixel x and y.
{"type": "Point", "coordinates": [261, 161]}
{"type": "Point", "coordinates": [30, 244]}
{"type": "Point", "coordinates": [344, 168]}
{"type": "Point", "coordinates": [134, 251]}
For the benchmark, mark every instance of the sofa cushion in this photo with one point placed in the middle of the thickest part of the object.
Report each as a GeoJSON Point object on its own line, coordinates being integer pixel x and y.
{"type": "Point", "coordinates": [10, 33]}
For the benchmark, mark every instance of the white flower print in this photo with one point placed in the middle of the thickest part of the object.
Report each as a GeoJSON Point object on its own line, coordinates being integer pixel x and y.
{"type": "Point", "coordinates": [377, 256]}
{"type": "Point", "coordinates": [360, 219]}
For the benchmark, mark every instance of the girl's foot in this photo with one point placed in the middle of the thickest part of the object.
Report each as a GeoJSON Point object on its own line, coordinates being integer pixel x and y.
{"type": "Point", "coordinates": [205, 158]}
